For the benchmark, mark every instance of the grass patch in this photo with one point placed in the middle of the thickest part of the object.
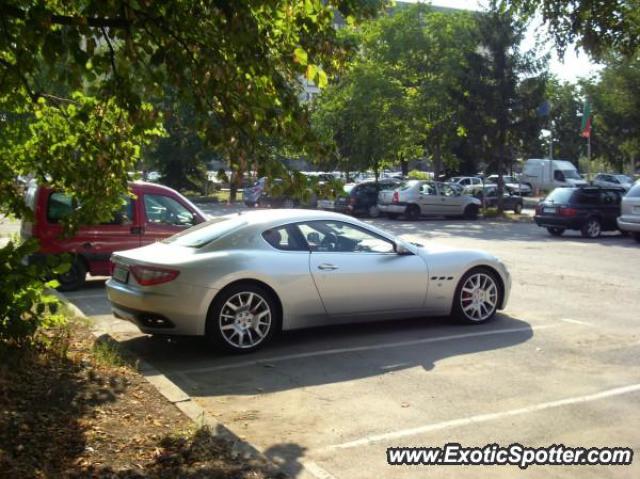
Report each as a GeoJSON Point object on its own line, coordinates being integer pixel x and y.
{"type": "Point", "coordinates": [108, 353]}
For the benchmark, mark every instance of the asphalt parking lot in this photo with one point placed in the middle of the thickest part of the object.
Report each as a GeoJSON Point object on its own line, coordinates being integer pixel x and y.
{"type": "Point", "coordinates": [561, 365]}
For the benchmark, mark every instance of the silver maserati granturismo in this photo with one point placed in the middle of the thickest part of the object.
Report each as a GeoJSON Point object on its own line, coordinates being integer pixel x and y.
{"type": "Point", "coordinates": [240, 279]}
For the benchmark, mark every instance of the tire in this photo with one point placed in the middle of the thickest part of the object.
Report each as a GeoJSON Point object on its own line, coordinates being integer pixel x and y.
{"type": "Point", "coordinates": [471, 212]}
{"type": "Point", "coordinates": [591, 228]}
{"type": "Point", "coordinates": [555, 231]}
{"type": "Point", "coordinates": [517, 209]}
{"type": "Point", "coordinates": [392, 216]}
{"type": "Point", "coordinates": [374, 211]}
{"type": "Point", "coordinates": [471, 309]}
{"type": "Point", "coordinates": [243, 333]}
{"type": "Point", "coordinates": [74, 278]}
{"type": "Point", "coordinates": [412, 212]}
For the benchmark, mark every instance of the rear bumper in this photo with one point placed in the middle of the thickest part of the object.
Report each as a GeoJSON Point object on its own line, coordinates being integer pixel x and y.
{"type": "Point", "coordinates": [181, 309]}
{"type": "Point", "coordinates": [626, 225]}
{"type": "Point", "coordinates": [398, 208]}
{"type": "Point", "coordinates": [556, 222]}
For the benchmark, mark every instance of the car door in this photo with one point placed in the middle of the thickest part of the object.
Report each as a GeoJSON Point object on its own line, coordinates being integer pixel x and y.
{"type": "Point", "coordinates": [428, 199]}
{"type": "Point", "coordinates": [358, 272]}
{"type": "Point", "coordinates": [451, 199]}
{"type": "Point", "coordinates": [163, 216]}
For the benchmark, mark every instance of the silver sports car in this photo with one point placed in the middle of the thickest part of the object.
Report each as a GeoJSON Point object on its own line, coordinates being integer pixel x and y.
{"type": "Point", "coordinates": [239, 279]}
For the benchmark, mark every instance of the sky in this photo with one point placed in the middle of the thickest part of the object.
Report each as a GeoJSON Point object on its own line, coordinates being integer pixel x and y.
{"type": "Point", "coordinates": [574, 65]}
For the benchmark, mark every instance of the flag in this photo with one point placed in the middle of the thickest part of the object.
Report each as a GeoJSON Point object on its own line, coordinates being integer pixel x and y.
{"type": "Point", "coordinates": [585, 129]}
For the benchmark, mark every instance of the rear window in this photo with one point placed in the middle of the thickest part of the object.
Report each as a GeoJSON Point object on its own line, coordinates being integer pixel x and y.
{"type": "Point", "coordinates": [560, 195]}
{"type": "Point", "coordinates": [634, 192]}
{"type": "Point", "coordinates": [405, 185]}
{"type": "Point", "coordinates": [207, 232]}
{"type": "Point", "coordinates": [59, 207]}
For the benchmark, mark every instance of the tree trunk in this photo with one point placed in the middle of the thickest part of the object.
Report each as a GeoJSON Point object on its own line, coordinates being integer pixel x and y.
{"type": "Point", "coordinates": [437, 162]}
{"type": "Point", "coordinates": [404, 164]}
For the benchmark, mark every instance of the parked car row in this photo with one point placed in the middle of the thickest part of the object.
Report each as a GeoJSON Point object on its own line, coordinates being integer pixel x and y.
{"type": "Point", "coordinates": [590, 210]}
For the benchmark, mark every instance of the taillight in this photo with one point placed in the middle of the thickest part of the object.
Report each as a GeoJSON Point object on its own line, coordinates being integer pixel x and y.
{"type": "Point", "coordinates": [150, 275]}
{"type": "Point", "coordinates": [395, 198]}
{"type": "Point", "coordinates": [567, 211]}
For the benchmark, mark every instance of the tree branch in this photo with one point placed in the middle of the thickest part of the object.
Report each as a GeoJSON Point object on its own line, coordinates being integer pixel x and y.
{"type": "Point", "coordinates": [72, 20]}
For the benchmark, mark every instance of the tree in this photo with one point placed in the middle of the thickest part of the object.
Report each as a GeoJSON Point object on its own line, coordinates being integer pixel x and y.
{"type": "Point", "coordinates": [565, 108]}
{"type": "Point", "coordinates": [77, 79]}
{"type": "Point", "coordinates": [616, 118]}
{"type": "Point", "coordinates": [600, 27]}
{"type": "Point", "coordinates": [501, 91]}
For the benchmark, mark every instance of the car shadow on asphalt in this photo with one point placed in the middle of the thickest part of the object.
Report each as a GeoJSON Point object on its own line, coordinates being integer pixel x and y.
{"type": "Point", "coordinates": [326, 355]}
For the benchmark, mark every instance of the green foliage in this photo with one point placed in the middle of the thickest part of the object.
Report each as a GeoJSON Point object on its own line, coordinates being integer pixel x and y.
{"type": "Point", "coordinates": [24, 306]}
{"type": "Point", "coordinates": [600, 27]}
{"type": "Point", "coordinates": [566, 105]}
{"type": "Point", "coordinates": [418, 175]}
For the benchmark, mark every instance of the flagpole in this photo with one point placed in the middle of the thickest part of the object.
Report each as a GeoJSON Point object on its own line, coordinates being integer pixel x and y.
{"type": "Point", "coordinates": [589, 157]}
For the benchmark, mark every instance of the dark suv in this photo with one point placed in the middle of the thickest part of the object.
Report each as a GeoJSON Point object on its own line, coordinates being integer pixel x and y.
{"type": "Point", "coordinates": [589, 209]}
{"type": "Point", "coordinates": [362, 198]}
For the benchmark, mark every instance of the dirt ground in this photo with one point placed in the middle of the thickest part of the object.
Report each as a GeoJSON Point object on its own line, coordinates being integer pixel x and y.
{"type": "Point", "coordinates": [76, 409]}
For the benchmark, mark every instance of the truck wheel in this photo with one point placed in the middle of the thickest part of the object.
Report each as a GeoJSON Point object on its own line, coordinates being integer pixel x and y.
{"type": "Point", "coordinates": [471, 212]}
{"type": "Point", "coordinates": [412, 212]}
{"type": "Point", "coordinates": [74, 278]}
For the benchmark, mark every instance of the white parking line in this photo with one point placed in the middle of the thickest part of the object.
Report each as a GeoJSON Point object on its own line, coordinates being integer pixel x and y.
{"type": "Point", "coordinates": [465, 421]}
{"type": "Point", "coordinates": [329, 352]}
{"type": "Point", "coordinates": [575, 321]}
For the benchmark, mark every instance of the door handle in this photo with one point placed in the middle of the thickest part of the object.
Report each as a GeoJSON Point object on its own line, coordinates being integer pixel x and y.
{"type": "Point", "coordinates": [327, 267]}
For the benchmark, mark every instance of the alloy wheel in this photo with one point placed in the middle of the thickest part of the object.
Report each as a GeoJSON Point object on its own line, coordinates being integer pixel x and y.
{"type": "Point", "coordinates": [479, 297]}
{"type": "Point", "coordinates": [245, 320]}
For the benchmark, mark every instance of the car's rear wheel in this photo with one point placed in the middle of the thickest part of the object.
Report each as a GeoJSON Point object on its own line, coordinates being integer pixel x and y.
{"type": "Point", "coordinates": [477, 296]}
{"type": "Point", "coordinates": [74, 278]}
{"type": "Point", "coordinates": [591, 229]}
{"type": "Point", "coordinates": [243, 318]}
{"type": "Point", "coordinates": [374, 211]}
{"type": "Point", "coordinates": [555, 231]}
{"type": "Point", "coordinates": [517, 209]}
{"type": "Point", "coordinates": [471, 212]}
{"type": "Point", "coordinates": [412, 212]}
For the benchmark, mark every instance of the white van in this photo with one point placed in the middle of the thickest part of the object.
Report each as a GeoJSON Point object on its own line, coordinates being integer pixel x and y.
{"type": "Point", "coordinates": [549, 174]}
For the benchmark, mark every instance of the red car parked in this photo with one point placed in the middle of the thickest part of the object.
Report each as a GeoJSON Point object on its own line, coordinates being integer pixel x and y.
{"type": "Point", "coordinates": [156, 213]}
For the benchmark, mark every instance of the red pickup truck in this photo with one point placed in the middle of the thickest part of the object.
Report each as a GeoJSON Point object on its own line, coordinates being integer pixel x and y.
{"type": "Point", "coordinates": [155, 213]}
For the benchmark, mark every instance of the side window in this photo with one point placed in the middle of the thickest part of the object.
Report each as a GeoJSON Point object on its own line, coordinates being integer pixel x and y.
{"type": "Point", "coordinates": [558, 175]}
{"type": "Point", "coordinates": [286, 238]}
{"type": "Point", "coordinates": [428, 189]}
{"type": "Point", "coordinates": [161, 209]}
{"type": "Point", "coordinates": [586, 198]}
{"type": "Point", "coordinates": [59, 206]}
{"type": "Point", "coordinates": [610, 198]}
{"type": "Point", "coordinates": [338, 237]}
{"type": "Point", "coordinates": [124, 215]}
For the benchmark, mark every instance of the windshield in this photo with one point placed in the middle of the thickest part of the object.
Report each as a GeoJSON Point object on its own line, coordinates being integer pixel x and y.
{"type": "Point", "coordinates": [560, 195]}
{"type": "Point", "coordinates": [624, 178]}
{"type": "Point", "coordinates": [571, 174]}
{"type": "Point", "coordinates": [405, 185]}
{"type": "Point", "coordinates": [205, 233]}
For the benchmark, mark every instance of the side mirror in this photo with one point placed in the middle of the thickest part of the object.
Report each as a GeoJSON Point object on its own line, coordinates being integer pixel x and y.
{"type": "Point", "coordinates": [401, 249]}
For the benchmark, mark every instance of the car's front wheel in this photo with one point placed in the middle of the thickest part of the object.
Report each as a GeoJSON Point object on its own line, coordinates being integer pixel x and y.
{"type": "Point", "coordinates": [471, 212]}
{"type": "Point", "coordinates": [243, 318]}
{"type": "Point", "coordinates": [477, 296]}
{"type": "Point", "coordinates": [554, 231]}
{"type": "Point", "coordinates": [591, 229]}
{"type": "Point", "coordinates": [517, 209]}
{"type": "Point", "coordinates": [74, 278]}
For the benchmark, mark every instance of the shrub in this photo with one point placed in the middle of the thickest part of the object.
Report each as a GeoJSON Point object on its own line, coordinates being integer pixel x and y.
{"type": "Point", "coordinates": [25, 305]}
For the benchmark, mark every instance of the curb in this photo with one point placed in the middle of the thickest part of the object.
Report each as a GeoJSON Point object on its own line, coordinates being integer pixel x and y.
{"type": "Point", "coordinates": [176, 396]}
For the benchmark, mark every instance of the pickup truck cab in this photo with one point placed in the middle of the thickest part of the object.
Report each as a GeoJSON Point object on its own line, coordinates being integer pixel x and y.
{"type": "Point", "coordinates": [155, 213]}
